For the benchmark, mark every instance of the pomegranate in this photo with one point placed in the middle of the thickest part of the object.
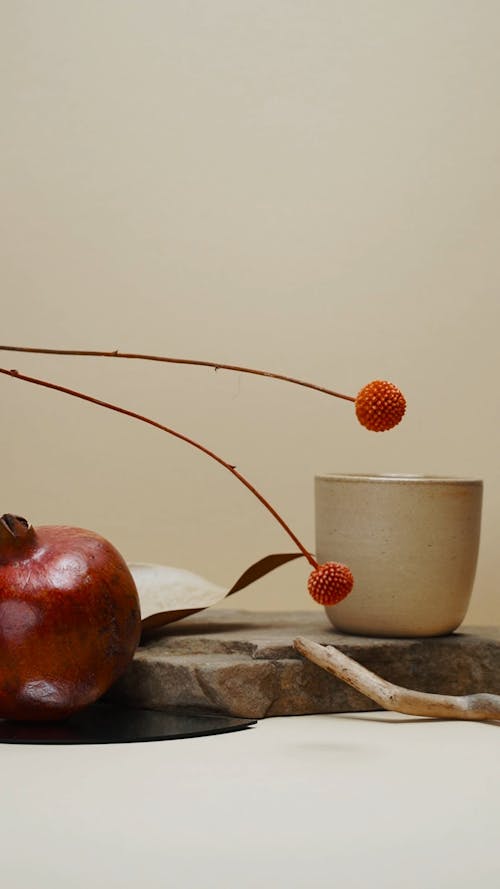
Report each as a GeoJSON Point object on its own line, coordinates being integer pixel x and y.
{"type": "Point", "coordinates": [69, 619]}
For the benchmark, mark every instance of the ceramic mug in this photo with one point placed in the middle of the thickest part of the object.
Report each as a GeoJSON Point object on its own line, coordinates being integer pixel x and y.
{"type": "Point", "coordinates": [411, 543]}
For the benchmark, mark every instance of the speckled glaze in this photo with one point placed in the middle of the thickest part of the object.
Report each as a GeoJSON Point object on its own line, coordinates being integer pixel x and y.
{"type": "Point", "coordinates": [412, 544]}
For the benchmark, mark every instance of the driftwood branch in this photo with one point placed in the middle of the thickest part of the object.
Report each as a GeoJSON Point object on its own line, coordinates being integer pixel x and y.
{"type": "Point", "coordinates": [395, 697]}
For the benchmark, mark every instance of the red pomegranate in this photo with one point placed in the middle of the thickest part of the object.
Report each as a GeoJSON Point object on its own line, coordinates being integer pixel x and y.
{"type": "Point", "coordinates": [69, 619]}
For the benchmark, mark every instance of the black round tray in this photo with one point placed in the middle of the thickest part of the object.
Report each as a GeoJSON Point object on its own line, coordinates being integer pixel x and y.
{"type": "Point", "coordinates": [103, 724]}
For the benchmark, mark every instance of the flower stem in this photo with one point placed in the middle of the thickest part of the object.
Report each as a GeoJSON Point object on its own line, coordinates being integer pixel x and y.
{"type": "Point", "coordinates": [15, 374]}
{"type": "Point", "coordinates": [145, 357]}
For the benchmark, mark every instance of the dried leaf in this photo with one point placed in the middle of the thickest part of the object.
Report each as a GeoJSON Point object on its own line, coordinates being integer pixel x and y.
{"type": "Point", "coordinates": [261, 568]}
{"type": "Point", "coordinates": [170, 594]}
{"type": "Point", "coordinates": [163, 588]}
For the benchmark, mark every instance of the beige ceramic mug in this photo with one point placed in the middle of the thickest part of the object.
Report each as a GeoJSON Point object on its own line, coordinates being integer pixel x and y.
{"type": "Point", "coordinates": [411, 543]}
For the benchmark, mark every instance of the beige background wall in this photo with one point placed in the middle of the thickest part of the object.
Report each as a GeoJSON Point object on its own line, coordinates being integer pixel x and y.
{"type": "Point", "coordinates": [305, 187]}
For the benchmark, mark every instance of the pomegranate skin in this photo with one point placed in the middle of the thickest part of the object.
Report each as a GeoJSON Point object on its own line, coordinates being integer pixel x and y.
{"type": "Point", "coordinates": [69, 619]}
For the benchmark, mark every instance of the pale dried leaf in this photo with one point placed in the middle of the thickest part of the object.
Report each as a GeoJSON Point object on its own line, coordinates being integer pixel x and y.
{"type": "Point", "coordinates": [170, 594]}
{"type": "Point", "coordinates": [162, 588]}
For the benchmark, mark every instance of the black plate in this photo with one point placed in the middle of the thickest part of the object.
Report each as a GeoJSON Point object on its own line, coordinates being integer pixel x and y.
{"type": "Point", "coordinates": [101, 724]}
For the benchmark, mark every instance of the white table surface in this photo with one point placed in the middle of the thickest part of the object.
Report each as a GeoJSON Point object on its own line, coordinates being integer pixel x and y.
{"type": "Point", "coordinates": [348, 800]}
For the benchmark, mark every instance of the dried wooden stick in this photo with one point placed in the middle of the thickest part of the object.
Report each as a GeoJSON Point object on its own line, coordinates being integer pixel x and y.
{"type": "Point", "coordinates": [395, 697]}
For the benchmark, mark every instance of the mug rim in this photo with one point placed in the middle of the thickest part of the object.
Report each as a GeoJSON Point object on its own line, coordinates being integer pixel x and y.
{"type": "Point", "coordinates": [399, 477]}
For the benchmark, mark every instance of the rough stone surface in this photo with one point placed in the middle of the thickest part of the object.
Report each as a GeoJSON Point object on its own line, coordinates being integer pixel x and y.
{"type": "Point", "coordinates": [243, 663]}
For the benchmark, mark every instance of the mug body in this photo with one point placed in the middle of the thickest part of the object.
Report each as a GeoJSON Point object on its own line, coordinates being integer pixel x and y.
{"type": "Point", "coordinates": [412, 544]}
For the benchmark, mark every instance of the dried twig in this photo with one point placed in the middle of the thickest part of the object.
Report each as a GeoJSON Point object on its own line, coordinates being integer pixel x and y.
{"type": "Point", "coordinates": [395, 697]}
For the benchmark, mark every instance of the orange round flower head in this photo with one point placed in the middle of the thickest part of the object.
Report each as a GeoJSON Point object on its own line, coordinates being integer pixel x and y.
{"type": "Point", "coordinates": [330, 583]}
{"type": "Point", "coordinates": [380, 406]}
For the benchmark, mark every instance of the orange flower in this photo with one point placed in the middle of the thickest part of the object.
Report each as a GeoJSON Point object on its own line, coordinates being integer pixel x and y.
{"type": "Point", "coordinates": [380, 406]}
{"type": "Point", "coordinates": [330, 583]}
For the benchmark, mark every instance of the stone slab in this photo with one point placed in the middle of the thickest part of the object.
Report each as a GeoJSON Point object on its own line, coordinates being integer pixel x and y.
{"type": "Point", "coordinates": [242, 663]}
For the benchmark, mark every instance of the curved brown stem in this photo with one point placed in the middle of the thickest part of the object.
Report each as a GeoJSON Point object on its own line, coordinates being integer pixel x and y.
{"type": "Point", "coordinates": [15, 374]}
{"type": "Point", "coordinates": [166, 359]}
